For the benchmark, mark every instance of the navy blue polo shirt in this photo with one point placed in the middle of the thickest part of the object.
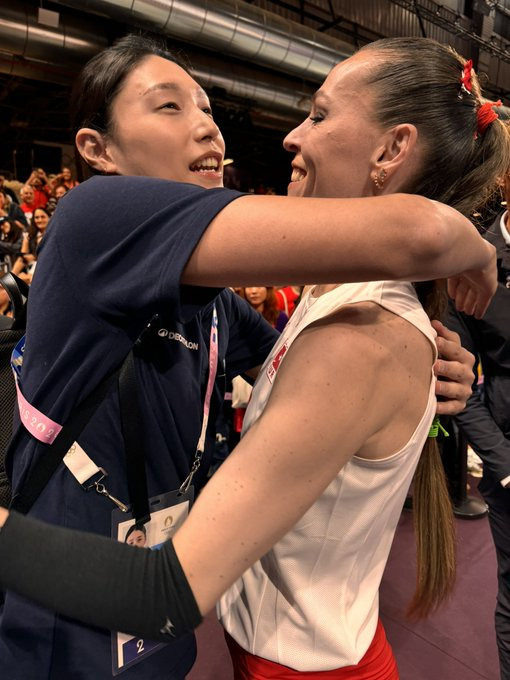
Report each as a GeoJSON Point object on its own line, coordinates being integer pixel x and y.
{"type": "Point", "coordinates": [110, 263]}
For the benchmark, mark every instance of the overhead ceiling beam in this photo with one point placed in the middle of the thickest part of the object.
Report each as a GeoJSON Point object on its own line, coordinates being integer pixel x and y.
{"type": "Point", "coordinates": [451, 22]}
{"type": "Point", "coordinates": [233, 28]}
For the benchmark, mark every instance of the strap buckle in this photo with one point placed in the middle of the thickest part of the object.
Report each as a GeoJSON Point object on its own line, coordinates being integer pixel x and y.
{"type": "Point", "coordinates": [92, 482]}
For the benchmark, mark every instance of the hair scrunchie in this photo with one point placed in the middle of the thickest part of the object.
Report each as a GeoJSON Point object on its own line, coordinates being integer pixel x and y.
{"type": "Point", "coordinates": [485, 116]}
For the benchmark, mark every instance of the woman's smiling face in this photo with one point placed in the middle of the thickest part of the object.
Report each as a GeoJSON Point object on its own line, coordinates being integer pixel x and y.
{"type": "Point", "coordinates": [334, 145]}
{"type": "Point", "coordinates": [162, 126]}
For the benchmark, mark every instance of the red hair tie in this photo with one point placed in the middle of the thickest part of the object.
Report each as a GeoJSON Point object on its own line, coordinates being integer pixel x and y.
{"type": "Point", "coordinates": [485, 116]}
{"type": "Point", "coordinates": [465, 81]}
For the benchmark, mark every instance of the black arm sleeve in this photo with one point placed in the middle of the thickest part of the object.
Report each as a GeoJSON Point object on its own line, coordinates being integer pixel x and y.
{"type": "Point", "coordinates": [98, 580]}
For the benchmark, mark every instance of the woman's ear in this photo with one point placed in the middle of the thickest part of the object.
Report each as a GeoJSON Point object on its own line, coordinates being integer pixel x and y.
{"type": "Point", "coordinates": [92, 147]}
{"type": "Point", "coordinates": [396, 157]}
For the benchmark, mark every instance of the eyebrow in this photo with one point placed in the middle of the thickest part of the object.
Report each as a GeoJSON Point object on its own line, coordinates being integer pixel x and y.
{"type": "Point", "coordinates": [174, 87]}
{"type": "Point", "coordinates": [319, 94]}
{"type": "Point", "coordinates": [162, 86]}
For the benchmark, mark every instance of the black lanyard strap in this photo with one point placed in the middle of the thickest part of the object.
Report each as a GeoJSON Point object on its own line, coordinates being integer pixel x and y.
{"type": "Point", "coordinates": [132, 431]}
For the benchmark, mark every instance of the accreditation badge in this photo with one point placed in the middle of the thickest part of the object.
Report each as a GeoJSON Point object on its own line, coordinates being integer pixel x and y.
{"type": "Point", "coordinates": [168, 511]}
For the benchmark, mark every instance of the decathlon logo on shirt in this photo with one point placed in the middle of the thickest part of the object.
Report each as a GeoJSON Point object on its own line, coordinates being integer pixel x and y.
{"type": "Point", "coordinates": [170, 335]}
{"type": "Point", "coordinates": [275, 362]}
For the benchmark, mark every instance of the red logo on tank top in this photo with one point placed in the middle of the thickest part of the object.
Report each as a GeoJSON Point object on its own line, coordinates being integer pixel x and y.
{"type": "Point", "coordinates": [275, 363]}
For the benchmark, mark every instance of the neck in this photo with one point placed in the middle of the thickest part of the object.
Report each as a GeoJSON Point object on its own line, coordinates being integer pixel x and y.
{"type": "Point", "coordinates": [322, 288]}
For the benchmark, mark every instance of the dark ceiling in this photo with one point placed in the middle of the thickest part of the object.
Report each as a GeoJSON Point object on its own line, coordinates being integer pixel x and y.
{"type": "Point", "coordinates": [34, 111]}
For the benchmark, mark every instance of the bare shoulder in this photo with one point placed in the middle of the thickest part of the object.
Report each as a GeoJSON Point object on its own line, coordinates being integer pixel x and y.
{"type": "Point", "coordinates": [352, 348]}
{"type": "Point", "coordinates": [369, 361]}
{"type": "Point", "coordinates": [368, 332]}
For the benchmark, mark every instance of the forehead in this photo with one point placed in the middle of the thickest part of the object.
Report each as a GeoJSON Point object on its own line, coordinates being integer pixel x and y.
{"type": "Point", "coordinates": [154, 74]}
{"type": "Point", "coordinates": [350, 78]}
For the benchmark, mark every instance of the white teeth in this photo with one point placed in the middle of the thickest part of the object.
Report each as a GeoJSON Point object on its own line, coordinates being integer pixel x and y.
{"type": "Point", "coordinates": [205, 165]}
{"type": "Point", "coordinates": [297, 175]}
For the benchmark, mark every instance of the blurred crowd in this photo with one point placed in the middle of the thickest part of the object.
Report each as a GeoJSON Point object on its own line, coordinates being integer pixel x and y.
{"type": "Point", "coordinates": [25, 211]}
{"type": "Point", "coordinates": [276, 305]}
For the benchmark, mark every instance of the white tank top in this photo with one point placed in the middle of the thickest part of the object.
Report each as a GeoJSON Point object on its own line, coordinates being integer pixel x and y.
{"type": "Point", "coordinates": [311, 603]}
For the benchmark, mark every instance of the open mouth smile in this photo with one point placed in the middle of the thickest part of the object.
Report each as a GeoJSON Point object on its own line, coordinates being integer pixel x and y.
{"type": "Point", "coordinates": [298, 174]}
{"type": "Point", "coordinates": [207, 165]}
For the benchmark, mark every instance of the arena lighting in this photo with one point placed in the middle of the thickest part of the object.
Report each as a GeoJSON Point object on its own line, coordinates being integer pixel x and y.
{"type": "Point", "coordinates": [48, 18]}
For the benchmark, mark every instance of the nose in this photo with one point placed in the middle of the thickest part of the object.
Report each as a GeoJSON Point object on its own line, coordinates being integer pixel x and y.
{"type": "Point", "coordinates": [206, 128]}
{"type": "Point", "coordinates": [292, 140]}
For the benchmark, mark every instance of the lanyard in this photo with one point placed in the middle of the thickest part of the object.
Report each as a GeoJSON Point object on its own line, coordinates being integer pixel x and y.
{"type": "Point", "coordinates": [40, 426]}
{"type": "Point", "coordinates": [81, 466]}
{"type": "Point", "coordinates": [213, 367]}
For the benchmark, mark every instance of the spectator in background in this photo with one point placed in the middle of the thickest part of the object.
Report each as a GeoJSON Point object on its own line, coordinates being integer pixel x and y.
{"type": "Point", "coordinates": [28, 202]}
{"type": "Point", "coordinates": [51, 205]}
{"type": "Point", "coordinates": [486, 419]}
{"type": "Point", "coordinates": [10, 244]}
{"type": "Point", "coordinates": [66, 178]}
{"type": "Point", "coordinates": [25, 265]}
{"type": "Point", "coordinates": [12, 211]}
{"type": "Point", "coordinates": [39, 182]}
{"type": "Point", "coordinates": [263, 300]}
{"type": "Point", "coordinates": [287, 298]}
{"type": "Point", "coordinates": [60, 191]}
{"type": "Point", "coordinates": [37, 228]}
{"type": "Point", "coordinates": [8, 191]}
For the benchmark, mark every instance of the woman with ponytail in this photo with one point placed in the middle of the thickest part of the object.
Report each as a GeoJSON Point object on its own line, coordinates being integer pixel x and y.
{"type": "Point", "coordinates": [314, 509]}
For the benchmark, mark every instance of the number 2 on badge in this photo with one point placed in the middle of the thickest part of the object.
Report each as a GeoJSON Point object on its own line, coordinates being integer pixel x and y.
{"type": "Point", "coordinates": [139, 646]}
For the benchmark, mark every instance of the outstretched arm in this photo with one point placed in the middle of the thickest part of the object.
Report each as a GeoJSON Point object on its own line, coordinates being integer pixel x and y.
{"type": "Point", "coordinates": [260, 491]}
{"type": "Point", "coordinates": [257, 240]}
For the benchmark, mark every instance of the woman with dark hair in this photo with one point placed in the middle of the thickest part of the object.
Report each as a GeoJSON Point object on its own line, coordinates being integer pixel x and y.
{"type": "Point", "coordinates": [127, 250]}
{"type": "Point", "coordinates": [37, 229]}
{"type": "Point", "coordinates": [65, 179]}
{"type": "Point", "coordinates": [10, 242]}
{"type": "Point", "coordinates": [136, 535]}
{"type": "Point", "coordinates": [26, 263]}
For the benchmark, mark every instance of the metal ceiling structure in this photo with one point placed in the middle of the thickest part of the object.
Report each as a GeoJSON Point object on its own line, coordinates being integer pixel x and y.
{"type": "Point", "coordinates": [259, 60]}
{"type": "Point", "coordinates": [451, 21]}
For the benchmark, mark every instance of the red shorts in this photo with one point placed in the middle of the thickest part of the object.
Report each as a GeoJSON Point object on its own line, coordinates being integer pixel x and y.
{"type": "Point", "coordinates": [377, 664]}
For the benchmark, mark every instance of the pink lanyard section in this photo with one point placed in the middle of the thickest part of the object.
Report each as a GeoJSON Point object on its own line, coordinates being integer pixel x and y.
{"type": "Point", "coordinates": [213, 367]}
{"type": "Point", "coordinates": [46, 430]}
{"type": "Point", "coordinates": [40, 426]}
